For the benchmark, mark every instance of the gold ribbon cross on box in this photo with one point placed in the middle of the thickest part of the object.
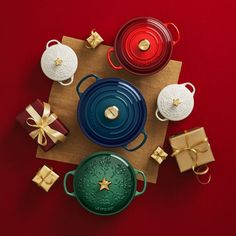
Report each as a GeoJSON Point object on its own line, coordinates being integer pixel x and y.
{"type": "Point", "coordinates": [94, 39]}
{"type": "Point", "coordinates": [194, 150]}
{"type": "Point", "coordinates": [45, 178]}
{"type": "Point", "coordinates": [159, 155]}
{"type": "Point", "coordinates": [41, 123]}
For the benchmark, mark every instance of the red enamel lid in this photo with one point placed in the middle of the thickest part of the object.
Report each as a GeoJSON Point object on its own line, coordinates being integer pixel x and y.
{"type": "Point", "coordinates": [144, 45]}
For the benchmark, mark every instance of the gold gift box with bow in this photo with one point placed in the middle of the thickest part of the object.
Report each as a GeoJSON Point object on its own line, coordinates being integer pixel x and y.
{"type": "Point", "coordinates": [45, 178]}
{"type": "Point", "coordinates": [159, 155]}
{"type": "Point", "coordinates": [191, 149]}
{"type": "Point", "coordinates": [94, 39]}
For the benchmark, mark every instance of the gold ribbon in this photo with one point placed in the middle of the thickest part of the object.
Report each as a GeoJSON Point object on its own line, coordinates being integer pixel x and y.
{"type": "Point", "coordinates": [44, 179]}
{"type": "Point", "coordinates": [194, 150]}
{"type": "Point", "coordinates": [41, 123]}
{"type": "Point", "coordinates": [95, 39]}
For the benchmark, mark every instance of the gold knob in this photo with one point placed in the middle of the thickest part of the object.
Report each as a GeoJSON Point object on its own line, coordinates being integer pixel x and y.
{"type": "Point", "coordinates": [111, 112]}
{"type": "Point", "coordinates": [104, 184]}
{"type": "Point", "coordinates": [144, 45]}
{"type": "Point", "coordinates": [58, 62]}
{"type": "Point", "coordinates": [176, 102]}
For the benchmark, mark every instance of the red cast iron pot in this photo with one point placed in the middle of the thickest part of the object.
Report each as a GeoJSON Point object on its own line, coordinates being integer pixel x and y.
{"type": "Point", "coordinates": [143, 46]}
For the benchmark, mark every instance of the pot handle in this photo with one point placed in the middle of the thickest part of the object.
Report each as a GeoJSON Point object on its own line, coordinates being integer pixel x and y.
{"type": "Point", "coordinates": [192, 86]}
{"type": "Point", "coordinates": [144, 182]}
{"type": "Point", "coordinates": [176, 29]}
{"type": "Point", "coordinates": [64, 183]}
{"type": "Point", "coordinates": [50, 41]}
{"type": "Point", "coordinates": [110, 50]}
{"type": "Point", "coordinates": [82, 80]}
{"type": "Point", "coordinates": [158, 117]}
{"type": "Point", "coordinates": [71, 79]}
{"type": "Point", "coordinates": [139, 145]}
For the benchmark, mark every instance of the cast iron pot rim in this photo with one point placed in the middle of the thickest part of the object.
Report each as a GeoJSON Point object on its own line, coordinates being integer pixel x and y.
{"type": "Point", "coordinates": [130, 70]}
{"type": "Point", "coordinates": [90, 157]}
{"type": "Point", "coordinates": [121, 144]}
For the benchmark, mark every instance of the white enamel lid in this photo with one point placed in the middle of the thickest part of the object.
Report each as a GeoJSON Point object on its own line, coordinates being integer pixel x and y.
{"type": "Point", "coordinates": [175, 102]}
{"type": "Point", "coordinates": [59, 62]}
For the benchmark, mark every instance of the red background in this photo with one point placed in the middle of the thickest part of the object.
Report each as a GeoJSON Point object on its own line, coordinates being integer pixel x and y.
{"type": "Point", "coordinates": [177, 204]}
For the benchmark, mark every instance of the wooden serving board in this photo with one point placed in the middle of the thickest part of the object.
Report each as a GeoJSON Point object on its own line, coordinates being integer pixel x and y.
{"type": "Point", "coordinates": [64, 101]}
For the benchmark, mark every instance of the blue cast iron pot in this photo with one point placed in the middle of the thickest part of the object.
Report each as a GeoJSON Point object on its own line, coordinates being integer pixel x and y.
{"type": "Point", "coordinates": [112, 112]}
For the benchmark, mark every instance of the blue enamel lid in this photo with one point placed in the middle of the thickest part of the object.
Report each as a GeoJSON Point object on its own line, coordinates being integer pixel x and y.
{"type": "Point", "coordinates": [111, 111]}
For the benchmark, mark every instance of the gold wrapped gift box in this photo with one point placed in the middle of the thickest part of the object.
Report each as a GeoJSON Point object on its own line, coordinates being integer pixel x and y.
{"type": "Point", "coordinates": [159, 155]}
{"type": "Point", "coordinates": [45, 178]}
{"type": "Point", "coordinates": [191, 149]}
{"type": "Point", "coordinates": [94, 39]}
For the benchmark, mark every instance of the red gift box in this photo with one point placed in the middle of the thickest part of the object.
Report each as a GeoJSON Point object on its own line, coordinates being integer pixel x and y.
{"type": "Point", "coordinates": [56, 125]}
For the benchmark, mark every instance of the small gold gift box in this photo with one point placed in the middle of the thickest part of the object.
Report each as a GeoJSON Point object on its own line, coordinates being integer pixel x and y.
{"type": "Point", "coordinates": [45, 178]}
{"type": "Point", "coordinates": [191, 149]}
{"type": "Point", "coordinates": [94, 39]}
{"type": "Point", "coordinates": [159, 155]}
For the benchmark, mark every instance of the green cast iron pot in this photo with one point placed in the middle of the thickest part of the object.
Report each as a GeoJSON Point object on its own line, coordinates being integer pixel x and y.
{"type": "Point", "coordinates": [104, 183]}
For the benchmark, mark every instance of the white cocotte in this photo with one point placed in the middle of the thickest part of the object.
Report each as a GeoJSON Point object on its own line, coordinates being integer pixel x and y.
{"type": "Point", "coordinates": [175, 102]}
{"type": "Point", "coordinates": [59, 62]}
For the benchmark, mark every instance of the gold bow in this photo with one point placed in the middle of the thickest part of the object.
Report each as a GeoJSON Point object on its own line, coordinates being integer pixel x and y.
{"type": "Point", "coordinates": [94, 40]}
{"type": "Point", "coordinates": [42, 125]}
{"type": "Point", "coordinates": [194, 150]}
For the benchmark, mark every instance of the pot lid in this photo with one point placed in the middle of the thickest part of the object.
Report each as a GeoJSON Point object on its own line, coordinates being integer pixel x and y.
{"type": "Point", "coordinates": [175, 102]}
{"type": "Point", "coordinates": [143, 45]}
{"type": "Point", "coordinates": [59, 62]}
{"type": "Point", "coordinates": [104, 183]}
{"type": "Point", "coordinates": [112, 112]}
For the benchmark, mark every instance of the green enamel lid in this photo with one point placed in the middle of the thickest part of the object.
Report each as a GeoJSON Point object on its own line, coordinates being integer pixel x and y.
{"type": "Point", "coordinates": [104, 183]}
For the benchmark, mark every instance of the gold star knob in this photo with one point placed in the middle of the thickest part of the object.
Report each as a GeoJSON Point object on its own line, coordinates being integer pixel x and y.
{"type": "Point", "coordinates": [176, 102]}
{"type": "Point", "coordinates": [58, 62]}
{"type": "Point", "coordinates": [104, 184]}
{"type": "Point", "coordinates": [144, 45]}
{"type": "Point", "coordinates": [111, 112]}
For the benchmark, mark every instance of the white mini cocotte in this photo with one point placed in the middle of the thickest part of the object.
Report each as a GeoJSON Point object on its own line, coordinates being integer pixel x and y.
{"type": "Point", "coordinates": [175, 102]}
{"type": "Point", "coordinates": [59, 62]}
